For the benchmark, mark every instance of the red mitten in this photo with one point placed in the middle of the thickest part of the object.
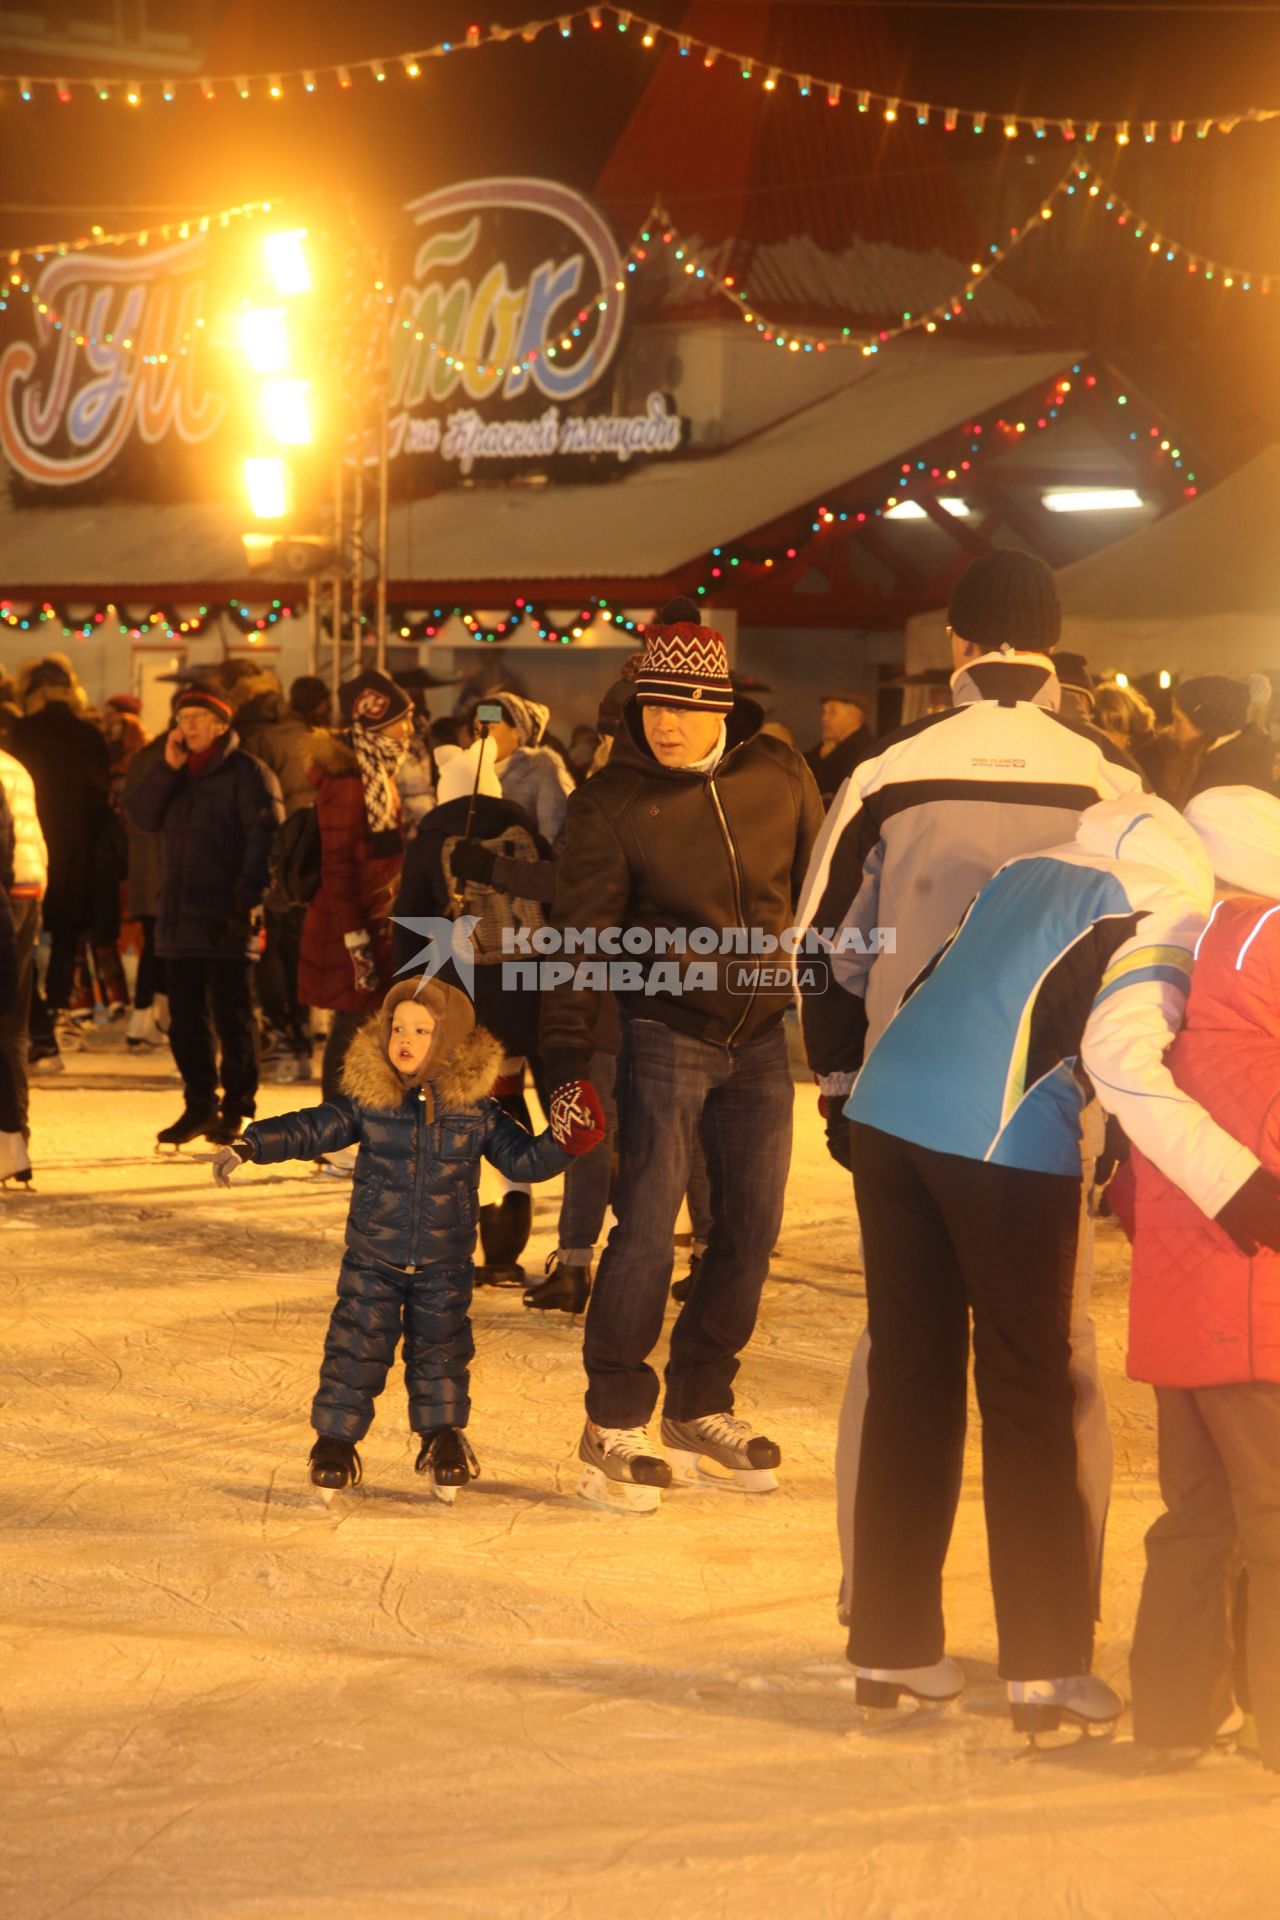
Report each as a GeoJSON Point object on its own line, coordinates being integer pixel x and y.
{"type": "Point", "coordinates": [577, 1118]}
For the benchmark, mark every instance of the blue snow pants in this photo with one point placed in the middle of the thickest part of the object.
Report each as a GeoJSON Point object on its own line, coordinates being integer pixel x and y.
{"type": "Point", "coordinates": [377, 1305]}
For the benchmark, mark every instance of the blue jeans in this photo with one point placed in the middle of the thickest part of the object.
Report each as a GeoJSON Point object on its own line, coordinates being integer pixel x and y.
{"type": "Point", "coordinates": [671, 1090]}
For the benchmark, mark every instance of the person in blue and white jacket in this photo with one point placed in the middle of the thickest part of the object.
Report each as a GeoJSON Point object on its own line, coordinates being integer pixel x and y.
{"type": "Point", "coordinates": [1069, 970]}
{"type": "Point", "coordinates": [913, 834]}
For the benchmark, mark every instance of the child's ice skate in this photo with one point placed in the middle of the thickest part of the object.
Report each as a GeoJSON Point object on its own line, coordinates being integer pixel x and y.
{"type": "Point", "coordinates": [192, 1123]}
{"type": "Point", "coordinates": [448, 1457]}
{"type": "Point", "coordinates": [931, 1686]}
{"type": "Point", "coordinates": [716, 1450]}
{"type": "Point", "coordinates": [619, 1470]}
{"type": "Point", "coordinates": [1040, 1706]}
{"type": "Point", "coordinates": [335, 1466]}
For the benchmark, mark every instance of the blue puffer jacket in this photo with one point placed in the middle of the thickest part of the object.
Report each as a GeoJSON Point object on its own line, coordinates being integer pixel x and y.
{"type": "Point", "coordinates": [418, 1169]}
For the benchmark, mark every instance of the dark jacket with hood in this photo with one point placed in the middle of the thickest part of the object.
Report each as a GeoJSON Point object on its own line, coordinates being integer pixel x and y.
{"type": "Point", "coordinates": [67, 759]}
{"type": "Point", "coordinates": [272, 732]}
{"type": "Point", "coordinates": [414, 1202]}
{"type": "Point", "coordinates": [666, 849]}
{"type": "Point", "coordinates": [217, 826]}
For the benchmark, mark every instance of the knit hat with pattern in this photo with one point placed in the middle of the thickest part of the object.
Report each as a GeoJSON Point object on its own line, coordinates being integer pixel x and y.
{"type": "Point", "coordinates": [685, 666]}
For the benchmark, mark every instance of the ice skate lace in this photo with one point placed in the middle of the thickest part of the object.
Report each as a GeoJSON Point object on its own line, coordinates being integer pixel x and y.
{"type": "Point", "coordinates": [723, 1427]}
{"type": "Point", "coordinates": [629, 1443]}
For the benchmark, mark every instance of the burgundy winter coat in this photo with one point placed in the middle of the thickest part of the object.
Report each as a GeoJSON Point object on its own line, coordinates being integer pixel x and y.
{"type": "Point", "coordinates": [1201, 1313]}
{"type": "Point", "coordinates": [359, 879]}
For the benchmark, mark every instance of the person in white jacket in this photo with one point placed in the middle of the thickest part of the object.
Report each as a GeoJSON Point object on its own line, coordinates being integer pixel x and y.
{"type": "Point", "coordinates": [30, 878]}
{"type": "Point", "coordinates": [1068, 974]}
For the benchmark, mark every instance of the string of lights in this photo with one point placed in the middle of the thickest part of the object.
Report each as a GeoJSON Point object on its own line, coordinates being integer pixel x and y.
{"type": "Point", "coordinates": [302, 82]}
{"type": "Point", "coordinates": [156, 623]}
{"type": "Point", "coordinates": [165, 231]}
{"type": "Point", "coordinates": [1098, 191]}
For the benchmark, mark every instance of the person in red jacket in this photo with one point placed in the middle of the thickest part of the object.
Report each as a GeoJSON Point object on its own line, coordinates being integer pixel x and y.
{"type": "Point", "coordinates": [1204, 1326]}
{"type": "Point", "coordinates": [345, 962]}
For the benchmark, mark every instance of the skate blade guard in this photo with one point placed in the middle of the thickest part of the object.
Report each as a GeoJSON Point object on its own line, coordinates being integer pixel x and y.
{"type": "Point", "coordinates": [618, 1496]}
{"type": "Point", "coordinates": [697, 1470]}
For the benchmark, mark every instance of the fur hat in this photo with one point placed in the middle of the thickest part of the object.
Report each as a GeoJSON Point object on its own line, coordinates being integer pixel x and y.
{"type": "Point", "coordinates": [1214, 703]}
{"type": "Point", "coordinates": [1007, 599]}
{"type": "Point", "coordinates": [1239, 828]}
{"type": "Point", "coordinates": [685, 666]}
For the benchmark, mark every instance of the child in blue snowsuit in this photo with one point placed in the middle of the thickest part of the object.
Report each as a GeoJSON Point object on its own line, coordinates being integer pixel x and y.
{"type": "Point", "coordinates": [415, 1100]}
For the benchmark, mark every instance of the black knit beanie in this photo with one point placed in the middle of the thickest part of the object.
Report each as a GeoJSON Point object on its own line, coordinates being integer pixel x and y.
{"type": "Point", "coordinates": [1214, 703]}
{"type": "Point", "coordinates": [1007, 599]}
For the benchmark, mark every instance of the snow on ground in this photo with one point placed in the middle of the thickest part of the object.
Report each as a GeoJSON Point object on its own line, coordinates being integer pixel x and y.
{"type": "Point", "coordinates": [223, 1700]}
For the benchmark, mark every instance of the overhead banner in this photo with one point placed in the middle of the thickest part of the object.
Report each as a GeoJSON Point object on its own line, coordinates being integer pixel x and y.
{"type": "Point", "coordinates": [507, 357]}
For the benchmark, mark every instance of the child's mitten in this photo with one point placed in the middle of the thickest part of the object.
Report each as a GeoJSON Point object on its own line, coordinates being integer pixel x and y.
{"type": "Point", "coordinates": [577, 1118]}
{"type": "Point", "coordinates": [227, 1159]}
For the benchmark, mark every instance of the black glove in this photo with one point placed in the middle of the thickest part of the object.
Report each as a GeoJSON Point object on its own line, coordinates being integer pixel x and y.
{"type": "Point", "coordinates": [839, 1145]}
{"type": "Point", "coordinates": [471, 861]}
{"type": "Point", "coordinates": [1252, 1216]}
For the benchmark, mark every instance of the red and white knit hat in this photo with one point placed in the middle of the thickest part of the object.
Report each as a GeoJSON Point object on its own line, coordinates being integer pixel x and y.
{"type": "Point", "coordinates": [685, 666]}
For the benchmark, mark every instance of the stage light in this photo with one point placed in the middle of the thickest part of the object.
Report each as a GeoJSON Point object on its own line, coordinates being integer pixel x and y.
{"type": "Point", "coordinates": [266, 483]}
{"type": "Point", "coordinates": [287, 261]}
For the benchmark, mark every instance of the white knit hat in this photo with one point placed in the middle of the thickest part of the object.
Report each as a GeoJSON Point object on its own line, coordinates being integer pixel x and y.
{"type": "Point", "coordinates": [456, 776]}
{"type": "Point", "coordinates": [1240, 831]}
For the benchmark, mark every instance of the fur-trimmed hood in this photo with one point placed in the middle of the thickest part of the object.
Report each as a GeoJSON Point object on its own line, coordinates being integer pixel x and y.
{"type": "Point", "coordinates": [459, 1071]}
{"type": "Point", "coordinates": [330, 753]}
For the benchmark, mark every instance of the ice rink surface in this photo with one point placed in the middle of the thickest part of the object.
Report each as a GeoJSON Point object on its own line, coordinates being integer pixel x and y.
{"type": "Point", "coordinates": [222, 1700]}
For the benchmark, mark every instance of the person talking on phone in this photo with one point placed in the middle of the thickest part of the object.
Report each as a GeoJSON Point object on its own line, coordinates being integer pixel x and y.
{"type": "Point", "coordinates": [216, 809]}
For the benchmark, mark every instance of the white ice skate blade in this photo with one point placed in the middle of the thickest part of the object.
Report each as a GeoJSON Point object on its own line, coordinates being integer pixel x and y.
{"type": "Point", "coordinates": [694, 1470]}
{"type": "Point", "coordinates": [619, 1496]}
{"type": "Point", "coordinates": [447, 1494]}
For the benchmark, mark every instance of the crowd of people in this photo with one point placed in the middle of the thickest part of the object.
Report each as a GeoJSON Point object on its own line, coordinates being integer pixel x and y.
{"type": "Point", "coordinates": [990, 917]}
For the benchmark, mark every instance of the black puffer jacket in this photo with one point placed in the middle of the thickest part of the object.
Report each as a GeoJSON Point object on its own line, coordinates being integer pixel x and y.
{"type": "Point", "coordinates": [414, 1203]}
{"type": "Point", "coordinates": [660, 848]}
{"type": "Point", "coordinates": [217, 826]}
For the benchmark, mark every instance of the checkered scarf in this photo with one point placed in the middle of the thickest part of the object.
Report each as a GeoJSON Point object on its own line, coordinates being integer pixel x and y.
{"type": "Point", "coordinates": [379, 755]}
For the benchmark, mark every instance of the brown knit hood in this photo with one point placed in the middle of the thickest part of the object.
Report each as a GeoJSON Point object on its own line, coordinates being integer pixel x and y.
{"type": "Point", "coordinates": [459, 1070]}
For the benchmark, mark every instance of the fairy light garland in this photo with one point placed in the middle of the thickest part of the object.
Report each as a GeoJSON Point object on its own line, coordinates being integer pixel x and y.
{"type": "Point", "coordinates": [270, 88]}
{"type": "Point", "coordinates": [158, 623]}
{"type": "Point", "coordinates": [1097, 191]}
{"type": "Point", "coordinates": [728, 566]}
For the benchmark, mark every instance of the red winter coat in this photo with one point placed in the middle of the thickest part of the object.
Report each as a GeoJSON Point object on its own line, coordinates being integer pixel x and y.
{"type": "Point", "coordinates": [357, 891]}
{"type": "Point", "coordinates": [1201, 1313]}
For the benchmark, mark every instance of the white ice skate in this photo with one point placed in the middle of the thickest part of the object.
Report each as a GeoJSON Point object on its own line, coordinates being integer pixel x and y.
{"type": "Point", "coordinates": [716, 1450]}
{"type": "Point", "coordinates": [931, 1686]}
{"type": "Point", "coordinates": [1040, 1706]}
{"type": "Point", "coordinates": [619, 1469]}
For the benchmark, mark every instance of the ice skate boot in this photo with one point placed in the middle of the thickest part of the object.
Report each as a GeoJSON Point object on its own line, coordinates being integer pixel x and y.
{"type": "Point", "coordinates": [229, 1127]}
{"type": "Point", "coordinates": [191, 1124]}
{"type": "Point", "coordinates": [715, 1450]}
{"type": "Point", "coordinates": [1040, 1706]}
{"type": "Point", "coordinates": [448, 1457]}
{"type": "Point", "coordinates": [335, 1465]}
{"type": "Point", "coordinates": [681, 1289]}
{"type": "Point", "coordinates": [143, 1030]}
{"type": "Point", "coordinates": [14, 1163]}
{"type": "Point", "coordinates": [566, 1288]}
{"type": "Point", "coordinates": [931, 1686]}
{"type": "Point", "coordinates": [618, 1469]}
{"type": "Point", "coordinates": [504, 1235]}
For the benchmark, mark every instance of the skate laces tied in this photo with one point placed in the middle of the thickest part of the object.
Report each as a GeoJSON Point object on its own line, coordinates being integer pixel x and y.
{"type": "Point", "coordinates": [725, 1427]}
{"type": "Point", "coordinates": [626, 1442]}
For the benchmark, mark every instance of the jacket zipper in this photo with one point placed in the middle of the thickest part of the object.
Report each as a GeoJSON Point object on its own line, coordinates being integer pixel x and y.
{"type": "Point", "coordinates": [417, 1178]}
{"type": "Point", "coordinates": [737, 894]}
